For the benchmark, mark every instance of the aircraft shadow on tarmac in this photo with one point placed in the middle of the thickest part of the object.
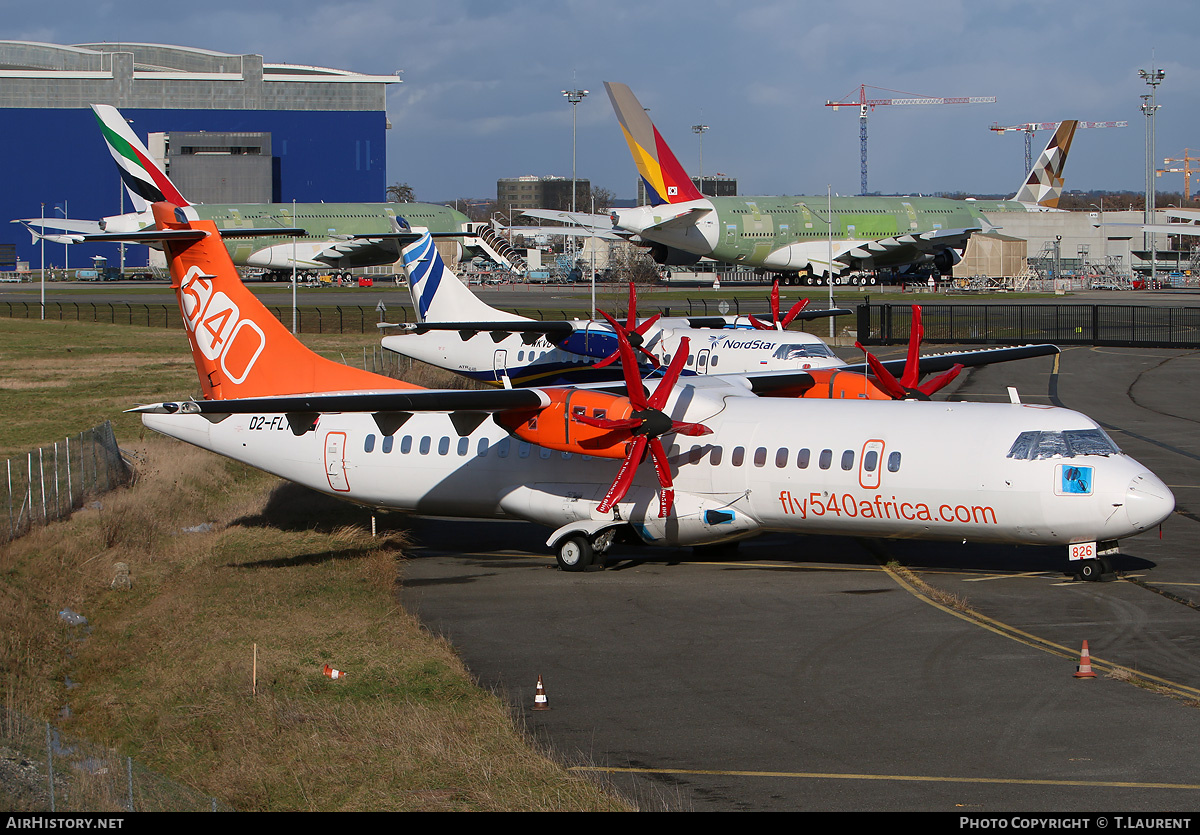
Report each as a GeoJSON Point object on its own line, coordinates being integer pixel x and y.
{"type": "Point", "coordinates": [291, 507]}
{"type": "Point", "coordinates": [494, 543]}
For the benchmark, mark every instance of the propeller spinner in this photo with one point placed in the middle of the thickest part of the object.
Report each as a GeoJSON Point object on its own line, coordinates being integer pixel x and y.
{"type": "Point", "coordinates": [632, 331]}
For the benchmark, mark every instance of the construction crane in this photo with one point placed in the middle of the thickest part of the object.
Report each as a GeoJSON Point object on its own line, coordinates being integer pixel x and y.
{"type": "Point", "coordinates": [865, 105]}
{"type": "Point", "coordinates": [1186, 171]}
{"type": "Point", "coordinates": [1029, 128]}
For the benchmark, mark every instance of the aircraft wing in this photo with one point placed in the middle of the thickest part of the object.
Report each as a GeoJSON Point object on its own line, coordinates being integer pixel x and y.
{"type": "Point", "coordinates": [903, 248]}
{"type": "Point", "coordinates": [403, 400]}
{"type": "Point", "coordinates": [934, 363]}
{"type": "Point", "coordinates": [530, 329]}
{"type": "Point", "coordinates": [63, 225]}
{"type": "Point", "coordinates": [576, 218]}
{"type": "Point", "coordinates": [719, 322]}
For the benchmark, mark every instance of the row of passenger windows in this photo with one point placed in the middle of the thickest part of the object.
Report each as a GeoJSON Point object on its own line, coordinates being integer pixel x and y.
{"type": "Point", "coordinates": [782, 456]}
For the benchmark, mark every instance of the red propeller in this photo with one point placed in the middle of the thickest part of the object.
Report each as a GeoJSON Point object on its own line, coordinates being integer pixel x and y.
{"type": "Point", "coordinates": [645, 425]}
{"type": "Point", "coordinates": [634, 332]}
{"type": "Point", "coordinates": [909, 387]}
{"type": "Point", "coordinates": [777, 323]}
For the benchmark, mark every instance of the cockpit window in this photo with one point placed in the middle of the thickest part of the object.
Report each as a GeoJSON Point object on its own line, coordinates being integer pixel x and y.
{"type": "Point", "coordinates": [1030, 446]}
{"type": "Point", "coordinates": [802, 351]}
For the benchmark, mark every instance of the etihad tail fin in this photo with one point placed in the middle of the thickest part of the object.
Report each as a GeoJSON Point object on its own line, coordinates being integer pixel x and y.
{"type": "Point", "coordinates": [1044, 184]}
{"type": "Point", "coordinates": [437, 293]}
{"type": "Point", "coordinates": [143, 179]}
{"type": "Point", "coordinates": [665, 179]}
{"type": "Point", "coordinates": [240, 348]}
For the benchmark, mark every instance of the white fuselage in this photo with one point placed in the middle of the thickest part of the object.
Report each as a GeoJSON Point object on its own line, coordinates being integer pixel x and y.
{"type": "Point", "coordinates": [929, 470]}
{"type": "Point", "coordinates": [711, 351]}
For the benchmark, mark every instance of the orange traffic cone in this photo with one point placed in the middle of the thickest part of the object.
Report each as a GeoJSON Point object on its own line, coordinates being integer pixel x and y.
{"type": "Point", "coordinates": [539, 697]}
{"type": "Point", "coordinates": [332, 673]}
{"type": "Point", "coordinates": [1084, 670]}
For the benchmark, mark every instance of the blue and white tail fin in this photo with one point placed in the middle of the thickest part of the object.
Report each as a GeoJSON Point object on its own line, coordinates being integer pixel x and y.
{"type": "Point", "coordinates": [437, 293]}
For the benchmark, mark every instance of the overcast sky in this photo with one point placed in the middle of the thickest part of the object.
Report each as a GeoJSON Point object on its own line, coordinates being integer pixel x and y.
{"type": "Point", "coordinates": [482, 80]}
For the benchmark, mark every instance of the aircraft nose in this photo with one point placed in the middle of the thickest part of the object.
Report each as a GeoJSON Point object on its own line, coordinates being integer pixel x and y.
{"type": "Point", "coordinates": [1148, 501]}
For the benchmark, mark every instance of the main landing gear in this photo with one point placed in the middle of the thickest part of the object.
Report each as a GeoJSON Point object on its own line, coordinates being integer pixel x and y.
{"type": "Point", "coordinates": [581, 551]}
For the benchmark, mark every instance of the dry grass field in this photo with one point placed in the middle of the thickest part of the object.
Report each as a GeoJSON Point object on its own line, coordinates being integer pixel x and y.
{"type": "Point", "coordinates": [167, 672]}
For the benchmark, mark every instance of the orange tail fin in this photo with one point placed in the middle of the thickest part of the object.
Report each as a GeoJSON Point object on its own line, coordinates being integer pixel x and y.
{"type": "Point", "coordinates": [240, 348]}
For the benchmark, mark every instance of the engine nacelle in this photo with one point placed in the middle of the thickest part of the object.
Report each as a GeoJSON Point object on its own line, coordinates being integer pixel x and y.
{"type": "Point", "coordinates": [671, 257]}
{"type": "Point", "coordinates": [946, 259]}
{"type": "Point", "coordinates": [551, 426]}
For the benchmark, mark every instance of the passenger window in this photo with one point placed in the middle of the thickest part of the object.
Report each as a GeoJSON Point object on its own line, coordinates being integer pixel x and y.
{"type": "Point", "coordinates": [760, 456]}
{"type": "Point", "coordinates": [802, 459]}
{"type": "Point", "coordinates": [426, 441]}
{"type": "Point", "coordinates": [739, 455]}
{"type": "Point", "coordinates": [464, 446]}
{"type": "Point", "coordinates": [387, 443]}
{"type": "Point", "coordinates": [870, 460]}
{"type": "Point", "coordinates": [544, 453]}
{"type": "Point", "coordinates": [406, 445]}
{"type": "Point", "coordinates": [826, 459]}
{"type": "Point", "coordinates": [848, 460]}
{"type": "Point", "coordinates": [523, 449]}
{"type": "Point", "coordinates": [443, 445]}
{"type": "Point", "coordinates": [503, 447]}
{"type": "Point", "coordinates": [482, 449]}
{"type": "Point", "coordinates": [781, 458]}
{"type": "Point", "coordinates": [715, 456]}
{"type": "Point", "coordinates": [894, 462]}
{"type": "Point", "coordinates": [713, 363]}
{"type": "Point", "coordinates": [369, 444]}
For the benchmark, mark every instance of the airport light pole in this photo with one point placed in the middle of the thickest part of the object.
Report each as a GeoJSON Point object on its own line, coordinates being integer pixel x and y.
{"type": "Point", "coordinates": [574, 97]}
{"type": "Point", "coordinates": [699, 131]}
{"type": "Point", "coordinates": [43, 269]}
{"type": "Point", "coordinates": [66, 245]}
{"type": "Point", "coordinates": [1152, 77]}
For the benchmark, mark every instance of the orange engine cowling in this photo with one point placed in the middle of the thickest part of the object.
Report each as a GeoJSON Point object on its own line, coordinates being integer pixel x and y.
{"type": "Point", "coordinates": [836, 384]}
{"type": "Point", "coordinates": [552, 427]}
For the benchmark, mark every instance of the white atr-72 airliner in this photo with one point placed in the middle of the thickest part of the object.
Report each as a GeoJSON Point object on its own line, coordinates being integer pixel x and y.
{"type": "Point", "coordinates": [730, 456]}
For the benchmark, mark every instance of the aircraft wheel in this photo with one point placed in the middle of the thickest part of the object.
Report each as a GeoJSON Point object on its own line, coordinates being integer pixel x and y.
{"type": "Point", "coordinates": [1091, 570]}
{"type": "Point", "coordinates": [810, 281]}
{"type": "Point", "coordinates": [575, 553]}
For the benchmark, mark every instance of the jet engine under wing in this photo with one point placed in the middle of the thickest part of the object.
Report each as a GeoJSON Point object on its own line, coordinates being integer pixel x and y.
{"type": "Point", "coordinates": [905, 249]}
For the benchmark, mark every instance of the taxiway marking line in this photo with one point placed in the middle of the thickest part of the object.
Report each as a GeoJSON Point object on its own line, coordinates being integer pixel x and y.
{"type": "Point", "coordinates": [907, 778]}
{"type": "Point", "coordinates": [1045, 645]}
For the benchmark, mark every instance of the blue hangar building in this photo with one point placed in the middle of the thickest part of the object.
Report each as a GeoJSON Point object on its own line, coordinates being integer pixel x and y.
{"type": "Point", "coordinates": [284, 131]}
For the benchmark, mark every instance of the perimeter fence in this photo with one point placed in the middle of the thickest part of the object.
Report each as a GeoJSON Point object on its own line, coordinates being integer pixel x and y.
{"type": "Point", "coordinates": [44, 770]}
{"type": "Point", "coordinates": [877, 324]}
{"type": "Point", "coordinates": [49, 483]}
{"type": "Point", "coordinates": [1141, 326]}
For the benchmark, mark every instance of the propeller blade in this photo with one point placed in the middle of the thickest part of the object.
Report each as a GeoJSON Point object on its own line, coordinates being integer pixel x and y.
{"type": "Point", "coordinates": [912, 365]}
{"type": "Point", "coordinates": [671, 375]}
{"type": "Point", "coordinates": [637, 451]}
{"type": "Point", "coordinates": [694, 430]}
{"type": "Point", "coordinates": [762, 326]}
{"type": "Point", "coordinates": [940, 382]}
{"type": "Point", "coordinates": [662, 467]}
{"type": "Point", "coordinates": [794, 312]}
{"type": "Point", "coordinates": [607, 423]}
{"type": "Point", "coordinates": [883, 377]}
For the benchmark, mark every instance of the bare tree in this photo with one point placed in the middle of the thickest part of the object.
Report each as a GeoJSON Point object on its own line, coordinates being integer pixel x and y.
{"type": "Point", "coordinates": [401, 193]}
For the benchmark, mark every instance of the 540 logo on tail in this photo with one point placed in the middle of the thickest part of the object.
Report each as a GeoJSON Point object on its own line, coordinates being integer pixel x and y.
{"type": "Point", "coordinates": [220, 333]}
